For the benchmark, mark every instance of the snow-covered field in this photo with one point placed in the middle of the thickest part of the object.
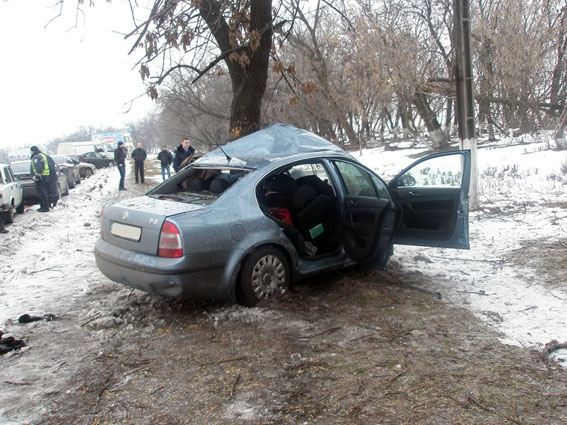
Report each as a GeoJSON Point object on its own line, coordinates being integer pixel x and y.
{"type": "Point", "coordinates": [522, 187]}
{"type": "Point", "coordinates": [47, 262]}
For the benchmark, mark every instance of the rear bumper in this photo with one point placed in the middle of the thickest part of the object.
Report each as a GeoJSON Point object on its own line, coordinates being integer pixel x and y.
{"type": "Point", "coordinates": [171, 277]}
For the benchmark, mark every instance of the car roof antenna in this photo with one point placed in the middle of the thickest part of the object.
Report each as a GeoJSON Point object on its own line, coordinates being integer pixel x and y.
{"type": "Point", "coordinates": [228, 158]}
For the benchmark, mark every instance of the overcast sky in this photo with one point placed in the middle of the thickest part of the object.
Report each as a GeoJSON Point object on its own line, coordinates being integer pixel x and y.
{"type": "Point", "coordinates": [57, 79]}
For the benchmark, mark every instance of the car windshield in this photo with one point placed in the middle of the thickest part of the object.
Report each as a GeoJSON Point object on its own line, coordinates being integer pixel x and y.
{"type": "Point", "coordinates": [59, 159]}
{"type": "Point", "coordinates": [20, 167]}
{"type": "Point", "coordinates": [264, 146]}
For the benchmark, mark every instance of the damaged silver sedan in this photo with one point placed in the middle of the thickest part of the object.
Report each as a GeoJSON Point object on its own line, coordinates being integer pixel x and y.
{"type": "Point", "coordinates": [245, 220]}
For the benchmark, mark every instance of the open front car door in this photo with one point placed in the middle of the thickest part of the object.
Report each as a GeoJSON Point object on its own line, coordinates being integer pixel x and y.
{"type": "Point", "coordinates": [432, 194]}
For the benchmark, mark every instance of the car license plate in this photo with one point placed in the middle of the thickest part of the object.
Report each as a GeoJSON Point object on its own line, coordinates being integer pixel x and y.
{"type": "Point", "coordinates": [125, 231]}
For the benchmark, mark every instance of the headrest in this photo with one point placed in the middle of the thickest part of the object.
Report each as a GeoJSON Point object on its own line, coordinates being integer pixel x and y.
{"type": "Point", "coordinates": [302, 196]}
{"type": "Point", "coordinates": [316, 183]}
{"type": "Point", "coordinates": [281, 183]}
{"type": "Point", "coordinates": [220, 183]}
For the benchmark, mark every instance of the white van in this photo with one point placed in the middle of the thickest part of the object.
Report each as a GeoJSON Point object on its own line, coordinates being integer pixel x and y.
{"type": "Point", "coordinates": [79, 148]}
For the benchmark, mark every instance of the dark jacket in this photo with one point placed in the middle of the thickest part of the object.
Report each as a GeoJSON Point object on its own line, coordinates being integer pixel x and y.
{"type": "Point", "coordinates": [181, 155]}
{"type": "Point", "coordinates": [120, 156]}
{"type": "Point", "coordinates": [165, 157]}
{"type": "Point", "coordinates": [139, 154]}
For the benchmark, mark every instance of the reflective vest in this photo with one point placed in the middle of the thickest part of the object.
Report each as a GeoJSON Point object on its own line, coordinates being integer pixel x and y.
{"type": "Point", "coordinates": [45, 171]}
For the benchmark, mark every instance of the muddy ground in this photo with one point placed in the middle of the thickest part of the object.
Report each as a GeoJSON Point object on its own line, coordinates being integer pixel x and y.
{"type": "Point", "coordinates": [354, 346]}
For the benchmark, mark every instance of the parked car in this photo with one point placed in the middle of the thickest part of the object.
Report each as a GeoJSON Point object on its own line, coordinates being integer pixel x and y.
{"type": "Point", "coordinates": [23, 173]}
{"type": "Point", "coordinates": [11, 194]}
{"type": "Point", "coordinates": [214, 231]}
{"type": "Point", "coordinates": [65, 164]}
{"type": "Point", "coordinates": [85, 169]}
{"type": "Point", "coordinates": [97, 159]}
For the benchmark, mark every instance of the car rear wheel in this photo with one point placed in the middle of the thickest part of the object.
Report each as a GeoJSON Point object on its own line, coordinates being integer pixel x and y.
{"type": "Point", "coordinates": [265, 274]}
{"type": "Point", "coordinates": [78, 179]}
{"type": "Point", "coordinates": [71, 181]}
{"type": "Point", "coordinates": [21, 208]}
{"type": "Point", "coordinates": [88, 172]}
{"type": "Point", "coordinates": [8, 216]}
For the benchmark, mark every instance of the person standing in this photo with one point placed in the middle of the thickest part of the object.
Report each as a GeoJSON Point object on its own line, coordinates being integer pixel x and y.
{"type": "Point", "coordinates": [166, 158]}
{"type": "Point", "coordinates": [139, 155]}
{"type": "Point", "coordinates": [39, 169]}
{"type": "Point", "coordinates": [52, 187]}
{"type": "Point", "coordinates": [120, 160]}
{"type": "Point", "coordinates": [183, 151]}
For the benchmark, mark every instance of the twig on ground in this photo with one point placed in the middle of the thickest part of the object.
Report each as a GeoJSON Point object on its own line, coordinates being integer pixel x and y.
{"type": "Point", "coordinates": [18, 383]}
{"type": "Point", "coordinates": [305, 364]}
{"type": "Point", "coordinates": [490, 261]}
{"type": "Point", "coordinates": [155, 391]}
{"type": "Point", "coordinates": [330, 330]}
{"type": "Point", "coordinates": [233, 388]}
{"type": "Point", "coordinates": [425, 291]}
{"type": "Point", "coordinates": [233, 359]}
{"type": "Point", "coordinates": [551, 346]}
{"type": "Point", "coordinates": [96, 316]}
{"type": "Point", "coordinates": [555, 296]}
{"type": "Point", "coordinates": [46, 269]}
{"type": "Point", "coordinates": [473, 292]}
{"type": "Point", "coordinates": [104, 386]}
{"type": "Point", "coordinates": [528, 308]}
{"type": "Point", "coordinates": [399, 375]}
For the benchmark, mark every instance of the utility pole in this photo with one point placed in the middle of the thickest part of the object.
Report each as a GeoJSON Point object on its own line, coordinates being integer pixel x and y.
{"type": "Point", "coordinates": [465, 97]}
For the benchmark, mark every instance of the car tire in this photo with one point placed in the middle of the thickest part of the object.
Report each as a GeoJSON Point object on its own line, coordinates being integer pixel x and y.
{"type": "Point", "coordinates": [71, 182]}
{"type": "Point", "coordinates": [88, 172]}
{"type": "Point", "coordinates": [78, 180]}
{"type": "Point", "coordinates": [64, 192]}
{"type": "Point", "coordinates": [8, 216]}
{"type": "Point", "coordinates": [110, 164]}
{"type": "Point", "coordinates": [21, 208]}
{"type": "Point", "coordinates": [265, 274]}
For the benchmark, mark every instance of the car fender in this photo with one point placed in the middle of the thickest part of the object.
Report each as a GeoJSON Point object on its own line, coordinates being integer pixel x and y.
{"type": "Point", "coordinates": [273, 236]}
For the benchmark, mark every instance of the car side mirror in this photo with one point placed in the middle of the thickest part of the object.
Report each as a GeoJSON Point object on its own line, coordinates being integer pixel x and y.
{"type": "Point", "coordinates": [406, 180]}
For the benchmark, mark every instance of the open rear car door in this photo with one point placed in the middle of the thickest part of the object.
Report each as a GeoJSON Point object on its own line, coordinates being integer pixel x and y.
{"type": "Point", "coordinates": [432, 194]}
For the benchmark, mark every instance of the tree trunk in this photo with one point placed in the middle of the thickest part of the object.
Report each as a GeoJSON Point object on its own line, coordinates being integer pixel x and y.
{"type": "Point", "coordinates": [438, 139]}
{"type": "Point", "coordinates": [248, 79]}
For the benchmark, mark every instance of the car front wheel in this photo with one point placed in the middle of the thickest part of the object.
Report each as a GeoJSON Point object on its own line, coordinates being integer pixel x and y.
{"type": "Point", "coordinates": [64, 191]}
{"type": "Point", "coordinates": [8, 216]}
{"type": "Point", "coordinates": [265, 274]}
{"type": "Point", "coordinates": [88, 173]}
{"type": "Point", "coordinates": [110, 164]}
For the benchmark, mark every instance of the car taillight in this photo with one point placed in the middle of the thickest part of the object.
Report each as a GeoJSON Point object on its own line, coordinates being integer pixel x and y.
{"type": "Point", "coordinates": [170, 241]}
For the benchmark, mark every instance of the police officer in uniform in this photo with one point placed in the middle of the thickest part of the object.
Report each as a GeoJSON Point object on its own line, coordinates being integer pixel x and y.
{"type": "Point", "coordinates": [39, 169]}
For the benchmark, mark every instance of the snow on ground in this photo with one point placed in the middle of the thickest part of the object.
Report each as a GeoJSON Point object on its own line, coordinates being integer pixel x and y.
{"type": "Point", "coordinates": [520, 187]}
{"type": "Point", "coordinates": [48, 244]}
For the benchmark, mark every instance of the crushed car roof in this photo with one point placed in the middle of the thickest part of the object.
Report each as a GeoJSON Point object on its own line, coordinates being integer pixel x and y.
{"type": "Point", "coordinates": [270, 144]}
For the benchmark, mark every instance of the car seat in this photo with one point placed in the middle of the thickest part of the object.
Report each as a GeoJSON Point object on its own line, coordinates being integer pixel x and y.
{"type": "Point", "coordinates": [314, 215]}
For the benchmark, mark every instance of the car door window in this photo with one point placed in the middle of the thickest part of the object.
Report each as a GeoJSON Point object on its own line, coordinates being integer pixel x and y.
{"type": "Point", "coordinates": [444, 171]}
{"type": "Point", "coordinates": [358, 182]}
{"type": "Point", "coordinates": [9, 175]}
{"type": "Point", "coordinates": [2, 176]}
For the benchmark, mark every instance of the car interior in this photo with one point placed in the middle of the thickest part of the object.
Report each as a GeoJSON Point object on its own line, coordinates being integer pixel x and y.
{"type": "Point", "coordinates": [301, 200]}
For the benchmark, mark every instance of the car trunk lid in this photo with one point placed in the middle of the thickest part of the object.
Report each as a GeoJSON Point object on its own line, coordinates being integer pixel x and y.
{"type": "Point", "coordinates": [135, 224]}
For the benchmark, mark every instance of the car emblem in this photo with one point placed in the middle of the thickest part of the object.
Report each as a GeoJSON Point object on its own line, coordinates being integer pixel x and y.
{"type": "Point", "coordinates": [125, 215]}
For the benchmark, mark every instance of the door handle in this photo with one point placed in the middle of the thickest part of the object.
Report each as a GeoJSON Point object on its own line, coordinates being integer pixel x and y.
{"type": "Point", "coordinates": [413, 193]}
